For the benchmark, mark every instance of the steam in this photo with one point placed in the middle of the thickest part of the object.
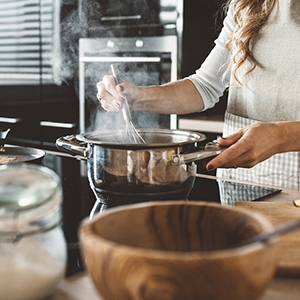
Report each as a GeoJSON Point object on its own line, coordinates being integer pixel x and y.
{"type": "Point", "coordinates": [75, 26]}
{"type": "Point", "coordinates": [72, 29]}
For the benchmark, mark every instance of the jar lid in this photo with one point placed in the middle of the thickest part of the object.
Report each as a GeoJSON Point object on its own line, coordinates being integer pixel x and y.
{"type": "Point", "coordinates": [24, 186]}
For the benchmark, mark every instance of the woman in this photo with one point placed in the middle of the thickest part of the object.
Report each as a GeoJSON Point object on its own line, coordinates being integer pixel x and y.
{"type": "Point", "coordinates": [257, 56]}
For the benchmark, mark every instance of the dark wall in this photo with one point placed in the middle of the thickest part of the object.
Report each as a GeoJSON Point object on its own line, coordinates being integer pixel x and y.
{"type": "Point", "coordinates": [202, 24]}
{"type": "Point", "coordinates": [203, 20]}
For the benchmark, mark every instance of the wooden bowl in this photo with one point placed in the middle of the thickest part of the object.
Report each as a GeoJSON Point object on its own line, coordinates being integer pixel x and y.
{"type": "Point", "coordinates": [177, 250]}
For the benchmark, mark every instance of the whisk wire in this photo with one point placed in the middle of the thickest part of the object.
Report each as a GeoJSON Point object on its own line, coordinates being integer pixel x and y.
{"type": "Point", "coordinates": [131, 134]}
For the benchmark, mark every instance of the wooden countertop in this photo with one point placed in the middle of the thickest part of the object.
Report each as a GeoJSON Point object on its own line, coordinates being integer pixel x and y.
{"type": "Point", "coordinates": [80, 287]}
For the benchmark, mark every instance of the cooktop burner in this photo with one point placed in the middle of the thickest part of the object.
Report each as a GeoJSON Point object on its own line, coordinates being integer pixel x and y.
{"type": "Point", "coordinates": [80, 202]}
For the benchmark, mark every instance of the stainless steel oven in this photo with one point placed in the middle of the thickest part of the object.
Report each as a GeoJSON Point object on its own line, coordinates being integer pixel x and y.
{"type": "Point", "coordinates": [108, 18]}
{"type": "Point", "coordinates": [142, 61]}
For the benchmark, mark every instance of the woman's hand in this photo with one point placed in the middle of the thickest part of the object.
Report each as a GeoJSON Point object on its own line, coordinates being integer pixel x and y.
{"type": "Point", "coordinates": [249, 146]}
{"type": "Point", "coordinates": [112, 97]}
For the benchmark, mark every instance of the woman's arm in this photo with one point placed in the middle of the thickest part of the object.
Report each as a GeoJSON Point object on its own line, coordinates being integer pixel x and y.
{"type": "Point", "coordinates": [179, 97]}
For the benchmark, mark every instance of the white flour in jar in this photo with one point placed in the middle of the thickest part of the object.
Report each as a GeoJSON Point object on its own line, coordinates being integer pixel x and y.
{"type": "Point", "coordinates": [28, 271]}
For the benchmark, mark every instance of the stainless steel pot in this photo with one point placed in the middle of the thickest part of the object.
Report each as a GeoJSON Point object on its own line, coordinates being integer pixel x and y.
{"type": "Point", "coordinates": [163, 168]}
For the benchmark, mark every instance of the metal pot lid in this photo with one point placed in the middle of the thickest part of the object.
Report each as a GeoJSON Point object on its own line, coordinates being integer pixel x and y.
{"type": "Point", "coordinates": [155, 138]}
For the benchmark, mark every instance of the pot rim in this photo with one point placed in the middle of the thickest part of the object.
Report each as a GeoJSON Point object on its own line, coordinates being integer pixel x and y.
{"type": "Point", "coordinates": [188, 137]}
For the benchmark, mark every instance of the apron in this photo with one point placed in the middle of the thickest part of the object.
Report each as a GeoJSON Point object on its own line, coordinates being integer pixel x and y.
{"type": "Point", "coordinates": [279, 170]}
{"type": "Point", "coordinates": [269, 93]}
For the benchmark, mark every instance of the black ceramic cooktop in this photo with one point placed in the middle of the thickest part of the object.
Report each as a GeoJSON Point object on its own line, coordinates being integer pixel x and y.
{"type": "Point", "coordinates": [79, 201]}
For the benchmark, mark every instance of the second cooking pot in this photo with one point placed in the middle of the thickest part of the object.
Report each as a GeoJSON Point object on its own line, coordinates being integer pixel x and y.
{"type": "Point", "coordinates": [163, 168]}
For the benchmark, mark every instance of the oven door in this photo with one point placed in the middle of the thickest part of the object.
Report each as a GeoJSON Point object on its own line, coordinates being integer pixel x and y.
{"type": "Point", "coordinates": [142, 71]}
{"type": "Point", "coordinates": [144, 62]}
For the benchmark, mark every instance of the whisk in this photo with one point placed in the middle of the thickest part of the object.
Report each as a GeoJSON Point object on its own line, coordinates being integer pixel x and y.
{"type": "Point", "coordinates": [131, 134]}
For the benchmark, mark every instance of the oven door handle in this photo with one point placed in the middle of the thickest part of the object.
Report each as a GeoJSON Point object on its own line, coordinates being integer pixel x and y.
{"type": "Point", "coordinates": [121, 18]}
{"type": "Point", "coordinates": [120, 59]}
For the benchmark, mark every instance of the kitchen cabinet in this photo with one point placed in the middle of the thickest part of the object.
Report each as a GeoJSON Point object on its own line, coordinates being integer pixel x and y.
{"type": "Point", "coordinates": [38, 115]}
{"type": "Point", "coordinates": [59, 113]}
{"type": "Point", "coordinates": [33, 103]}
{"type": "Point", "coordinates": [18, 111]}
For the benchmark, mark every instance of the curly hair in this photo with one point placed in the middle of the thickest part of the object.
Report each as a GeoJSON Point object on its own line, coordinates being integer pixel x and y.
{"type": "Point", "coordinates": [249, 16]}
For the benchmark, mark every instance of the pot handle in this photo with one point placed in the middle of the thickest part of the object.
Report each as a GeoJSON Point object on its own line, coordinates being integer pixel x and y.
{"type": "Point", "coordinates": [71, 145]}
{"type": "Point", "coordinates": [211, 149]}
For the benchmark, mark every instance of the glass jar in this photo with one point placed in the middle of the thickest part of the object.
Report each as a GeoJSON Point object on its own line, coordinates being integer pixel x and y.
{"type": "Point", "coordinates": [33, 249]}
